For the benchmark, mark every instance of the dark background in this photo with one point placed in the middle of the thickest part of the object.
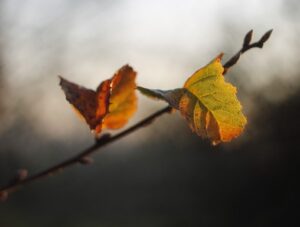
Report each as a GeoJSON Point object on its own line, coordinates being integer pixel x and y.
{"type": "Point", "coordinates": [162, 175]}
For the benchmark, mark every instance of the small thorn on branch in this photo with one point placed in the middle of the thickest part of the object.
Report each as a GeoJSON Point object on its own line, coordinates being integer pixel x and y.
{"type": "Point", "coordinates": [21, 175]}
{"type": "Point", "coordinates": [86, 160]}
{"type": "Point", "coordinates": [3, 196]}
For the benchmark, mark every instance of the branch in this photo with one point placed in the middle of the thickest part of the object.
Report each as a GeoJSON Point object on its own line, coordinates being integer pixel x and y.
{"type": "Point", "coordinates": [247, 46]}
{"type": "Point", "coordinates": [83, 157]}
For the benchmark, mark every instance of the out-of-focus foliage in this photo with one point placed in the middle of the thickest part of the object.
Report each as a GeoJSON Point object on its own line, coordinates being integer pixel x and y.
{"type": "Point", "coordinates": [208, 103]}
{"type": "Point", "coordinates": [110, 106]}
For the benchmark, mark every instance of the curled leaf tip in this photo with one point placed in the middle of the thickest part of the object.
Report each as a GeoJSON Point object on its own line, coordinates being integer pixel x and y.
{"type": "Point", "coordinates": [220, 56]}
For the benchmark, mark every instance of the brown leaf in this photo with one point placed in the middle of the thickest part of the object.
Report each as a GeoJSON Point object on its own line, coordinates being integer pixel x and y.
{"type": "Point", "coordinates": [114, 101]}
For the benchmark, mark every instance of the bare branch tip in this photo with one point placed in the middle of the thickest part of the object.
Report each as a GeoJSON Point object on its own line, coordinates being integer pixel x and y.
{"type": "Point", "coordinates": [270, 31]}
{"type": "Point", "coordinates": [248, 38]}
{"type": "Point", "coordinates": [265, 37]}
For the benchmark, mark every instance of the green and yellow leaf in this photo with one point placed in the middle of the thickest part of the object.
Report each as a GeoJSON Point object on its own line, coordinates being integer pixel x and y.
{"type": "Point", "coordinates": [208, 103]}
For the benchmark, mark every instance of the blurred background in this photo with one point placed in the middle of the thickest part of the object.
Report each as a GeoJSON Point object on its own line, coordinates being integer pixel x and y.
{"type": "Point", "coordinates": [162, 175]}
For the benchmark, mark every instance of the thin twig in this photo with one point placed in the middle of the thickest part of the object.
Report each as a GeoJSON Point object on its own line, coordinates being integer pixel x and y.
{"type": "Point", "coordinates": [81, 157]}
{"type": "Point", "coordinates": [247, 45]}
{"type": "Point", "coordinates": [84, 157]}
